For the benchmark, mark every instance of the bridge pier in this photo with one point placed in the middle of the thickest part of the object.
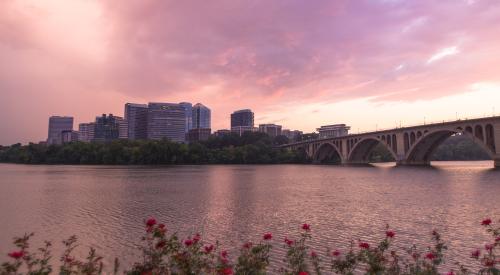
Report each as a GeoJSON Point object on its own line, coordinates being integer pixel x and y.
{"type": "Point", "coordinates": [497, 162]}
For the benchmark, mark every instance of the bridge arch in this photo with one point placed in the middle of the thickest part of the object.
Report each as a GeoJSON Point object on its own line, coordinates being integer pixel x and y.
{"type": "Point", "coordinates": [421, 152]}
{"type": "Point", "coordinates": [327, 151]}
{"type": "Point", "coordinates": [361, 150]}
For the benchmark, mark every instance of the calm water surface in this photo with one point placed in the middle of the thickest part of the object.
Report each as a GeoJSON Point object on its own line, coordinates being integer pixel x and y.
{"type": "Point", "coordinates": [105, 205]}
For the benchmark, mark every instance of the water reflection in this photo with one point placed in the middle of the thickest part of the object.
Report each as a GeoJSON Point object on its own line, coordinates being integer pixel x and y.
{"type": "Point", "coordinates": [104, 205]}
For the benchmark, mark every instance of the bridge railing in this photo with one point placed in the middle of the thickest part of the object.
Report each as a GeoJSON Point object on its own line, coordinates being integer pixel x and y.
{"type": "Point", "coordinates": [401, 126]}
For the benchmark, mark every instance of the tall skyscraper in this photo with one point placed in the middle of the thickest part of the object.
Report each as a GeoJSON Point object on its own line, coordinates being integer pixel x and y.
{"type": "Point", "coordinates": [86, 132]}
{"type": "Point", "coordinates": [201, 117]}
{"type": "Point", "coordinates": [242, 121]}
{"type": "Point", "coordinates": [58, 124]}
{"type": "Point", "coordinates": [107, 128]}
{"type": "Point", "coordinates": [188, 109]}
{"type": "Point", "coordinates": [136, 116]}
{"type": "Point", "coordinates": [242, 118]}
{"type": "Point", "coordinates": [166, 120]}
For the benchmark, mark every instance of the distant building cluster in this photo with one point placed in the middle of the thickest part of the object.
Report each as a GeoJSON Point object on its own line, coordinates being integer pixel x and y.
{"type": "Point", "coordinates": [179, 122]}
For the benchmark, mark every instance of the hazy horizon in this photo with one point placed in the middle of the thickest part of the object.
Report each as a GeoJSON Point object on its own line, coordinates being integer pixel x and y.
{"type": "Point", "coordinates": [370, 64]}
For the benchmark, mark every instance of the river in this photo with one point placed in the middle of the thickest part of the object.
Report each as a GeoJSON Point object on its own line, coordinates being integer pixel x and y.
{"type": "Point", "coordinates": [105, 205]}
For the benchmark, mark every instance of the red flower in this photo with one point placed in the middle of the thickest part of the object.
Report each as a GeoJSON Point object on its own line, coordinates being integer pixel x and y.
{"type": "Point", "coordinates": [450, 273]}
{"type": "Point", "coordinates": [489, 247]}
{"type": "Point", "coordinates": [247, 245]}
{"type": "Point", "coordinates": [68, 259]}
{"type": "Point", "coordinates": [497, 240]}
{"type": "Point", "coordinates": [390, 234]}
{"type": "Point", "coordinates": [161, 226]}
{"type": "Point", "coordinates": [336, 253]}
{"type": "Point", "coordinates": [226, 271]}
{"type": "Point", "coordinates": [223, 254]}
{"type": "Point", "coordinates": [16, 254]}
{"type": "Point", "coordinates": [313, 254]}
{"type": "Point", "coordinates": [486, 222]}
{"type": "Point", "coordinates": [150, 222]}
{"type": "Point", "coordinates": [268, 236]}
{"type": "Point", "coordinates": [489, 262]}
{"type": "Point", "coordinates": [209, 248]}
{"type": "Point", "coordinates": [303, 273]}
{"type": "Point", "coordinates": [364, 245]}
{"type": "Point", "coordinates": [161, 244]}
{"type": "Point", "coordinates": [188, 242]}
{"type": "Point", "coordinates": [430, 256]}
{"type": "Point", "coordinates": [476, 253]}
{"type": "Point", "coordinates": [306, 227]}
{"type": "Point", "coordinates": [288, 242]}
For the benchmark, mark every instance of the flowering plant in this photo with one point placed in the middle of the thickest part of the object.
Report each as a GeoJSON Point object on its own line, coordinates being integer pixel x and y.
{"type": "Point", "coordinates": [164, 253]}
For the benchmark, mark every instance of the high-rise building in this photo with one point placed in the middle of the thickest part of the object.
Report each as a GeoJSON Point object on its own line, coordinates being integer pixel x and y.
{"type": "Point", "coordinates": [201, 116]}
{"type": "Point", "coordinates": [270, 129]}
{"type": "Point", "coordinates": [86, 132]}
{"type": "Point", "coordinates": [136, 116]}
{"type": "Point", "coordinates": [58, 124]}
{"type": "Point", "coordinates": [122, 127]}
{"type": "Point", "coordinates": [69, 136]}
{"type": "Point", "coordinates": [335, 130]}
{"type": "Point", "coordinates": [188, 109]}
{"type": "Point", "coordinates": [166, 120]}
{"type": "Point", "coordinates": [107, 128]}
{"type": "Point", "coordinates": [242, 118]}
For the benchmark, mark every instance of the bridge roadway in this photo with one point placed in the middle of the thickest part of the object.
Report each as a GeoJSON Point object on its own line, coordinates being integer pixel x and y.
{"type": "Point", "coordinates": [408, 145]}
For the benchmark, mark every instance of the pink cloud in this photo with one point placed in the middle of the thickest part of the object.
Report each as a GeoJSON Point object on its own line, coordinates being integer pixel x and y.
{"type": "Point", "coordinates": [237, 54]}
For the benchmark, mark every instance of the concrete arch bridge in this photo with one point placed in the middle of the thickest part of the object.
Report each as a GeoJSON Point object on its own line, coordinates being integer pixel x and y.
{"type": "Point", "coordinates": [408, 145]}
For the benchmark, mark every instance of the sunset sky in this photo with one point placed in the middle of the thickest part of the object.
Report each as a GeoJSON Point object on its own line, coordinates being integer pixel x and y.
{"type": "Point", "coordinates": [370, 64]}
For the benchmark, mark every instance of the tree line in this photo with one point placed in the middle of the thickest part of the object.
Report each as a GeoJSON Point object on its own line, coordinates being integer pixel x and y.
{"type": "Point", "coordinates": [250, 148]}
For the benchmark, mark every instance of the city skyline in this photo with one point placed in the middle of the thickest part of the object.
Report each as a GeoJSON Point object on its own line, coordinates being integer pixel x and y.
{"type": "Point", "coordinates": [369, 64]}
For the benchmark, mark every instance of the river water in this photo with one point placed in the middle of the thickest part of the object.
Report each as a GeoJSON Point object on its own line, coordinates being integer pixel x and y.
{"type": "Point", "coordinates": [105, 205]}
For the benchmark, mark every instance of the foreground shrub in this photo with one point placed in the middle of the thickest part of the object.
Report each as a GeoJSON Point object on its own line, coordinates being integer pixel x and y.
{"type": "Point", "coordinates": [164, 253]}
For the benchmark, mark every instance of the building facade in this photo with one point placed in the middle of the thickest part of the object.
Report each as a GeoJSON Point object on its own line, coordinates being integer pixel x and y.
{"type": "Point", "coordinates": [243, 118]}
{"type": "Point", "coordinates": [292, 135]}
{"type": "Point", "coordinates": [86, 132]}
{"type": "Point", "coordinates": [272, 130]}
{"type": "Point", "coordinates": [58, 124]}
{"type": "Point", "coordinates": [106, 128]}
{"type": "Point", "coordinates": [222, 132]}
{"type": "Point", "coordinates": [201, 116]}
{"type": "Point", "coordinates": [335, 130]}
{"type": "Point", "coordinates": [242, 129]}
{"type": "Point", "coordinates": [122, 127]}
{"type": "Point", "coordinates": [198, 134]}
{"type": "Point", "coordinates": [166, 120]}
{"type": "Point", "coordinates": [136, 116]}
{"type": "Point", "coordinates": [69, 136]}
{"type": "Point", "coordinates": [188, 109]}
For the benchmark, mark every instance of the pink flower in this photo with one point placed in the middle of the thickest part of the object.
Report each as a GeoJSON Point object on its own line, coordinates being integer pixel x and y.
{"type": "Point", "coordinates": [489, 247]}
{"type": "Point", "coordinates": [188, 242]}
{"type": "Point", "coordinates": [336, 253]}
{"type": "Point", "coordinates": [390, 234]}
{"type": "Point", "coordinates": [288, 242]}
{"type": "Point", "coordinates": [306, 227]}
{"type": "Point", "coordinates": [430, 256]}
{"type": "Point", "coordinates": [476, 253]}
{"type": "Point", "coordinates": [223, 254]}
{"type": "Point", "coordinates": [486, 222]}
{"type": "Point", "coordinates": [268, 236]}
{"type": "Point", "coordinates": [364, 245]}
{"type": "Point", "coordinates": [313, 254]}
{"type": "Point", "coordinates": [247, 245]}
{"type": "Point", "coordinates": [68, 259]}
{"type": "Point", "coordinates": [150, 222]}
{"type": "Point", "coordinates": [16, 254]}
{"type": "Point", "coordinates": [497, 240]}
{"type": "Point", "coordinates": [450, 273]}
{"type": "Point", "coordinates": [209, 248]}
{"type": "Point", "coordinates": [489, 262]}
{"type": "Point", "coordinates": [161, 226]}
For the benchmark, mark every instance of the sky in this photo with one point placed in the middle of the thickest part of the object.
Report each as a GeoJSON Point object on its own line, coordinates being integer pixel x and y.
{"type": "Point", "coordinates": [371, 64]}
